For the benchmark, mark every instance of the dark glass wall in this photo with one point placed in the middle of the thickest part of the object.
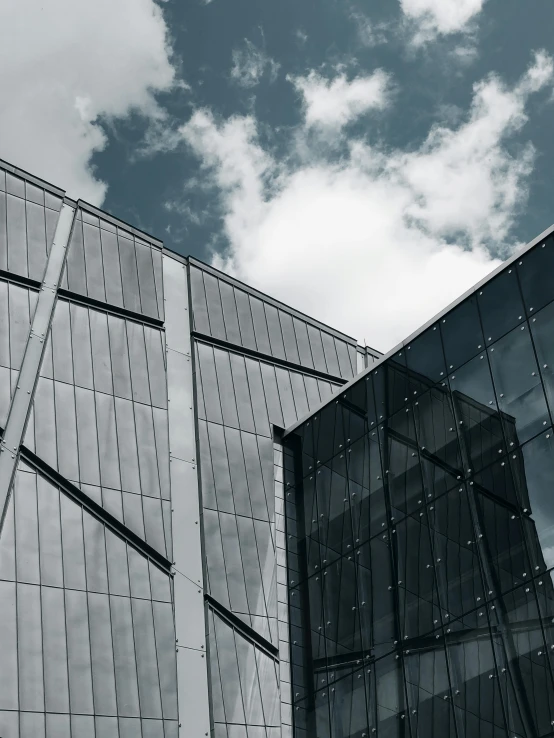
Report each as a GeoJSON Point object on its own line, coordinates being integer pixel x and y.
{"type": "Point", "coordinates": [420, 529]}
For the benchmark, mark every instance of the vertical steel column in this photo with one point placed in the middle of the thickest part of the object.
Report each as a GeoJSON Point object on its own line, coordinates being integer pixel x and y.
{"type": "Point", "coordinates": [188, 587]}
{"type": "Point", "coordinates": [30, 366]}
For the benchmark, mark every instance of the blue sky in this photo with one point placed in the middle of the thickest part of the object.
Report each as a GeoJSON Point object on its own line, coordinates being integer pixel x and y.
{"type": "Point", "coordinates": [364, 161]}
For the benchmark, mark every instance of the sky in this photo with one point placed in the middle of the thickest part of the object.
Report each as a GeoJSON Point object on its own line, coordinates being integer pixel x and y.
{"type": "Point", "coordinates": [364, 161]}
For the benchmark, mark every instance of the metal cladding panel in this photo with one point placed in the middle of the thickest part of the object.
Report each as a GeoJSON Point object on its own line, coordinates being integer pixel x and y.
{"type": "Point", "coordinates": [240, 397]}
{"type": "Point", "coordinates": [228, 311]}
{"type": "Point", "coordinates": [188, 581]}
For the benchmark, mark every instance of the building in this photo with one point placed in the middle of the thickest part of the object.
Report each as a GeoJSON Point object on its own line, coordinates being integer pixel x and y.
{"type": "Point", "coordinates": [222, 518]}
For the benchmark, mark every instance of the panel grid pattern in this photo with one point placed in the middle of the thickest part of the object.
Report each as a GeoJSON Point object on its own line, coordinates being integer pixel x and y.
{"type": "Point", "coordinates": [224, 311]}
{"type": "Point", "coordinates": [420, 542]}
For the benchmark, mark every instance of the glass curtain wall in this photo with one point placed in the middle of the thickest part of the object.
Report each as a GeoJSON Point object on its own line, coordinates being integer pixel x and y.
{"type": "Point", "coordinates": [420, 530]}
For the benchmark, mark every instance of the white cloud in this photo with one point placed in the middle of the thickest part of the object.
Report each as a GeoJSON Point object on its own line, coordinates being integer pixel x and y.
{"type": "Point", "coordinates": [370, 33]}
{"type": "Point", "coordinates": [66, 66]}
{"type": "Point", "coordinates": [333, 103]}
{"type": "Point", "coordinates": [376, 243]}
{"type": "Point", "coordinates": [441, 17]}
{"type": "Point", "coordinates": [250, 64]}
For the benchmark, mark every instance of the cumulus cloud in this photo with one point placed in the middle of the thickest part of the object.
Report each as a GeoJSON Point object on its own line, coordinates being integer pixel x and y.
{"type": "Point", "coordinates": [333, 103]}
{"type": "Point", "coordinates": [441, 17]}
{"type": "Point", "coordinates": [67, 67]}
{"type": "Point", "coordinates": [250, 64]}
{"type": "Point", "coordinates": [378, 242]}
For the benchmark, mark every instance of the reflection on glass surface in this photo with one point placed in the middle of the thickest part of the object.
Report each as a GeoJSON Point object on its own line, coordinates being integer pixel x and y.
{"type": "Point", "coordinates": [420, 596]}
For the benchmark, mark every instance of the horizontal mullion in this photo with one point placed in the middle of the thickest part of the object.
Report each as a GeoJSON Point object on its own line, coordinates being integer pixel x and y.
{"type": "Point", "coordinates": [20, 280]}
{"type": "Point", "coordinates": [107, 307]}
{"type": "Point", "coordinates": [243, 351]}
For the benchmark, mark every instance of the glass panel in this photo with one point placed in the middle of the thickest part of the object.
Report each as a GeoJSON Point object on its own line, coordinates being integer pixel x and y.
{"type": "Point", "coordinates": [345, 364]}
{"type": "Point", "coordinates": [275, 335]}
{"type": "Point", "coordinates": [228, 667]}
{"type": "Point", "coordinates": [112, 271]}
{"type": "Point", "coordinates": [3, 234]}
{"type": "Point", "coordinates": [129, 274]}
{"type": "Point", "coordinates": [330, 354]}
{"type": "Point", "coordinates": [226, 389]}
{"type": "Point", "coordinates": [285, 395]}
{"type": "Point", "coordinates": [199, 307]}
{"type": "Point", "coordinates": [89, 465]}
{"type": "Point", "coordinates": [81, 346]}
{"type": "Point", "coordinates": [8, 646]}
{"type": "Point", "coordinates": [257, 497]}
{"type": "Point", "coordinates": [257, 397]}
{"type": "Point", "coordinates": [36, 240]}
{"type": "Point", "coordinates": [29, 648]}
{"type": "Point", "coordinates": [232, 330]}
{"type": "Point", "coordinates": [102, 654]}
{"type": "Point", "coordinates": [535, 275]}
{"type": "Point", "coordinates": [233, 563]}
{"type": "Point", "coordinates": [118, 573]}
{"type": "Point", "coordinates": [17, 241]}
{"type": "Point", "coordinates": [500, 305]}
{"type": "Point", "coordinates": [518, 386]}
{"type": "Point", "coordinates": [51, 572]}
{"type": "Point", "coordinates": [127, 442]}
{"type": "Point", "coordinates": [119, 358]}
{"type": "Point", "coordinates": [76, 277]}
{"type": "Point", "coordinates": [245, 319]}
{"type": "Point", "coordinates": [533, 477]}
{"type": "Point", "coordinates": [93, 262]}
{"type": "Point", "coordinates": [461, 333]}
{"type": "Point", "coordinates": [149, 688]}
{"type": "Point", "coordinates": [95, 555]}
{"type": "Point", "coordinates": [146, 279]}
{"type": "Point", "coordinates": [66, 430]}
{"type": "Point", "coordinates": [124, 657]}
{"type": "Point", "coordinates": [213, 299]}
{"type": "Point", "coordinates": [26, 528]}
{"type": "Point", "coordinates": [260, 325]}
{"type": "Point", "coordinates": [220, 465]}
{"type": "Point", "coordinates": [165, 647]}
{"type": "Point", "coordinates": [100, 352]}
{"type": "Point", "coordinates": [478, 418]}
{"type": "Point", "coordinates": [156, 366]}
{"type": "Point", "coordinates": [317, 348]}
{"type": "Point", "coordinates": [303, 343]}
{"type": "Point", "coordinates": [542, 327]}
{"type": "Point", "coordinates": [78, 652]}
{"type": "Point", "coordinates": [209, 383]}
{"type": "Point", "coordinates": [237, 472]}
{"type": "Point", "coordinates": [107, 441]}
{"type": "Point", "coordinates": [424, 358]}
{"type": "Point", "coordinates": [55, 652]}
{"type": "Point", "coordinates": [148, 465]}
{"type": "Point", "coordinates": [72, 543]}
{"type": "Point", "coordinates": [242, 394]}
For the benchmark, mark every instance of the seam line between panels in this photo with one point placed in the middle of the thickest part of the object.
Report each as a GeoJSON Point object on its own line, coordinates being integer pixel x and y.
{"type": "Point", "coordinates": [106, 307]}
{"type": "Point", "coordinates": [24, 392]}
{"type": "Point", "coordinates": [243, 351]}
{"type": "Point", "coordinates": [95, 509]}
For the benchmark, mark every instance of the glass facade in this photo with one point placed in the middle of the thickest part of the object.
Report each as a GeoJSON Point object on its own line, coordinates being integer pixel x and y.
{"type": "Point", "coordinates": [222, 518]}
{"type": "Point", "coordinates": [420, 528]}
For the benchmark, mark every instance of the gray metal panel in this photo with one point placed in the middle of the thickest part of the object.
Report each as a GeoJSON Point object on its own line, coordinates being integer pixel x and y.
{"type": "Point", "coordinates": [23, 395]}
{"type": "Point", "coordinates": [193, 703]}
